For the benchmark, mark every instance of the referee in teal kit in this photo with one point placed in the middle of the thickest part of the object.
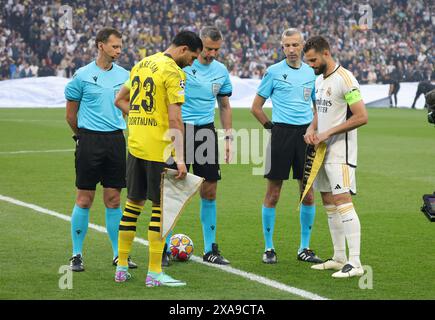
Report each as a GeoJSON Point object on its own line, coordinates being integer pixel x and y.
{"type": "Point", "coordinates": [100, 154]}
{"type": "Point", "coordinates": [207, 81]}
{"type": "Point", "coordinates": [290, 85]}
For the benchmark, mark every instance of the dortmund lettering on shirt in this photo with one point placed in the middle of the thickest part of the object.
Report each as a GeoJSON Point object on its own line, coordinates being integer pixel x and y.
{"type": "Point", "coordinates": [155, 82]}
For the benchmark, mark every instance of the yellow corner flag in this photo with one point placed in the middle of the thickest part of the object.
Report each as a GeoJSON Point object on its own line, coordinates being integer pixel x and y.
{"type": "Point", "coordinates": [313, 161]}
{"type": "Point", "coordinates": [175, 194]}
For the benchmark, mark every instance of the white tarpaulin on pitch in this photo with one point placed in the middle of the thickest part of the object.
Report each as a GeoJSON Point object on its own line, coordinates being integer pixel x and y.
{"type": "Point", "coordinates": [45, 92]}
{"type": "Point", "coordinates": [48, 92]}
{"type": "Point", "coordinates": [176, 193]}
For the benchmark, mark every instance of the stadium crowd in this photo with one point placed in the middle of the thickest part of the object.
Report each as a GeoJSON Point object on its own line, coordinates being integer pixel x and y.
{"type": "Point", "coordinates": [33, 41]}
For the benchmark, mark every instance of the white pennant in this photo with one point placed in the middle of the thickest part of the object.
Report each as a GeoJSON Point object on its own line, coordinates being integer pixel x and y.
{"type": "Point", "coordinates": [176, 193]}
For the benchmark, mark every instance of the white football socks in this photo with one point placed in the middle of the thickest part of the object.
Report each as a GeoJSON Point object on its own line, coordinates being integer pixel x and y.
{"type": "Point", "coordinates": [337, 234]}
{"type": "Point", "coordinates": [352, 231]}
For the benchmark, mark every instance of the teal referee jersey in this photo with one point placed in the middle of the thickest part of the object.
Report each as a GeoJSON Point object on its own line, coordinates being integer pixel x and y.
{"type": "Point", "coordinates": [291, 91]}
{"type": "Point", "coordinates": [204, 83]}
{"type": "Point", "coordinates": [95, 89]}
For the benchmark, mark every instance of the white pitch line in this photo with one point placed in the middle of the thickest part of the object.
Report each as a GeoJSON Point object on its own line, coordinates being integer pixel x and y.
{"type": "Point", "coordinates": [247, 275]}
{"type": "Point", "coordinates": [35, 151]}
{"type": "Point", "coordinates": [31, 120]}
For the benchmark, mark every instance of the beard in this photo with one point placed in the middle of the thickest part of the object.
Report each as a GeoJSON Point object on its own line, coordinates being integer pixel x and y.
{"type": "Point", "coordinates": [321, 69]}
{"type": "Point", "coordinates": [182, 63]}
{"type": "Point", "coordinates": [207, 60]}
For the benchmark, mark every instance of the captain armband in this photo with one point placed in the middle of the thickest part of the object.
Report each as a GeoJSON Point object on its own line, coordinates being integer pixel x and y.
{"type": "Point", "coordinates": [353, 96]}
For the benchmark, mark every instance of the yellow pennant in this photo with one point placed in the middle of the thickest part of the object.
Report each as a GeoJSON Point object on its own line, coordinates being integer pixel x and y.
{"type": "Point", "coordinates": [313, 161]}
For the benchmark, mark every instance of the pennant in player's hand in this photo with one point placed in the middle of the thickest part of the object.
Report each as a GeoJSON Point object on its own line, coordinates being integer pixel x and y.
{"type": "Point", "coordinates": [313, 160]}
{"type": "Point", "coordinates": [175, 194]}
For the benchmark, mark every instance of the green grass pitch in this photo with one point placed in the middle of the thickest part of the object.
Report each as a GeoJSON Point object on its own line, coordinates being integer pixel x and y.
{"type": "Point", "coordinates": [395, 168]}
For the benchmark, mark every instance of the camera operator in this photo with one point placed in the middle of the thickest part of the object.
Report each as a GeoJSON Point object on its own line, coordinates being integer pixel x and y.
{"type": "Point", "coordinates": [430, 104]}
{"type": "Point", "coordinates": [423, 87]}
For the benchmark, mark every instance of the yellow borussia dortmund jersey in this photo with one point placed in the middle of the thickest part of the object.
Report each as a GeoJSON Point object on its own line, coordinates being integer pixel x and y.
{"type": "Point", "coordinates": [155, 82]}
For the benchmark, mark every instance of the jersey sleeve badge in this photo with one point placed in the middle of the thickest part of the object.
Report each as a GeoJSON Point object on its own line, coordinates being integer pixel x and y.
{"type": "Point", "coordinates": [307, 93]}
{"type": "Point", "coordinates": [215, 87]}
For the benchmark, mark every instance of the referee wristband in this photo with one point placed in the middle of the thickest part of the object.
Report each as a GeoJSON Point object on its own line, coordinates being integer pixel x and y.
{"type": "Point", "coordinates": [75, 138]}
{"type": "Point", "coordinates": [268, 125]}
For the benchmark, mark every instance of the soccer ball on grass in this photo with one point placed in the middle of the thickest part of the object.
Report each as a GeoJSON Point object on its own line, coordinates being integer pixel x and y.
{"type": "Point", "coordinates": [181, 247]}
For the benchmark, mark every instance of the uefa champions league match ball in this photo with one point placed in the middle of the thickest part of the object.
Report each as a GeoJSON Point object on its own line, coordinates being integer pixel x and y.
{"type": "Point", "coordinates": [181, 247]}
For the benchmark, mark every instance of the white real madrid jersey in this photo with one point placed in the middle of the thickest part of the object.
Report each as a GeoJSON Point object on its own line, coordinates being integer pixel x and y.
{"type": "Point", "coordinates": [333, 110]}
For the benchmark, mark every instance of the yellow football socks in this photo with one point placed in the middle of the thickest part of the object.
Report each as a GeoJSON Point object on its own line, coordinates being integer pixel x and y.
{"type": "Point", "coordinates": [156, 243]}
{"type": "Point", "coordinates": [127, 231]}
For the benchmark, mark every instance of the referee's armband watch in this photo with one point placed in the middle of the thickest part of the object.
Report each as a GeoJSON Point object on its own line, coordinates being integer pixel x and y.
{"type": "Point", "coordinates": [75, 137]}
{"type": "Point", "coordinates": [353, 96]}
{"type": "Point", "coordinates": [268, 125]}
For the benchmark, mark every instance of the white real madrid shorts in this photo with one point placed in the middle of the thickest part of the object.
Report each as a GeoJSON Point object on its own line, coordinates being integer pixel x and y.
{"type": "Point", "coordinates": [336, 178]}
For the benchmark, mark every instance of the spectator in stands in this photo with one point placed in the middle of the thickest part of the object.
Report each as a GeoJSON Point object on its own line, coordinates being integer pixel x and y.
{"type": "Point", "coordinates": [45, 70]}
{"type": "Point", "coordinates": [4, 72]}
{"type": "Point", "coordinates": [401, 32]}
{"type": "Point", "coordinates": [371, 76]}
{"type": "Point", "coordinates": [25, 71]}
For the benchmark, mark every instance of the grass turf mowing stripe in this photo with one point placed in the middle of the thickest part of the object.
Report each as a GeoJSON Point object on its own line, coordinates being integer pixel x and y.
{"type": "Point", "coordinates": [246, 275]}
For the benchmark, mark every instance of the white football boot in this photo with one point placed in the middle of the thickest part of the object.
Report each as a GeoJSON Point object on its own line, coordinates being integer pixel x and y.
{"type": "Point", "coordinates": [329, 264]}
{"type": "Point", "coordinates": [349, 271]}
